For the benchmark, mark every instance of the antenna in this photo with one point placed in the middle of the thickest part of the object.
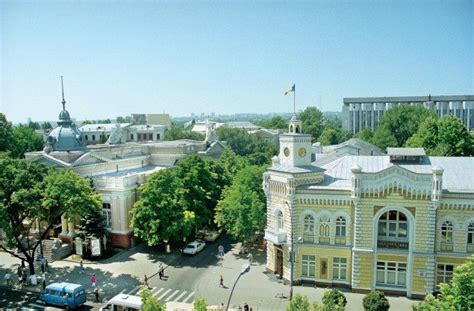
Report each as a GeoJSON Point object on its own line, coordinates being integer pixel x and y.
{"type": "Point", "coordinates": [62, 88]}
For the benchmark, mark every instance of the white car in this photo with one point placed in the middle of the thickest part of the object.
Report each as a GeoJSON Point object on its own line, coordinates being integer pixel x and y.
{"type": "Point", "coordinates": [194, 247]}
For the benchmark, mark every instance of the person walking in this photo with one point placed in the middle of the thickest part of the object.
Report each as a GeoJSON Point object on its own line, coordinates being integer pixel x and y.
{"type": "Point", "coordinates": [81, 267]}
{"type": "Point", "coordinates": [161, 271]}
{"type": "Point", "coordinates": [93, 280]}
{"type": "Point", "coordinates": [146, 282]}
{"type": "Point", "coordinates": [19, 272]}
{"type": "Point", "coordinates": [246, 307]}
{"type": "Point", "coordinates": [24, 275]}
{"type": "Point", "coordinates": [8, 278]}
{"type": "Point", "coordinates": [43, 282]}
{"type": "Point", "coordinates": [42, 265]}
{"type": "Point", "coordinates": [221, 282]}
{"type": "Point", "coordinates": [96, 294]}
{"type": "Point", "coordinates": [250, 257]}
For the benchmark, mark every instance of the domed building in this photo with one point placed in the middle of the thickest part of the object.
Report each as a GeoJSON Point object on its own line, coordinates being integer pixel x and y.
{"type": "Point", "coordinates": [66, 136]}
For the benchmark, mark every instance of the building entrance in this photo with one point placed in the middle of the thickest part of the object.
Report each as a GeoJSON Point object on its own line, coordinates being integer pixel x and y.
{"type": "Point", "coordinates": [279, 262]}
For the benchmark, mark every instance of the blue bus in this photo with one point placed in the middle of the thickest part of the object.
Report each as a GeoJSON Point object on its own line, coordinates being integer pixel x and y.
{"type": "Point", "coordinates": [63, 294]}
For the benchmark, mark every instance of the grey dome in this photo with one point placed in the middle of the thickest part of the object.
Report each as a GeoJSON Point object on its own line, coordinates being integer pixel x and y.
{"type": "Point", "coordinates": [66, 136]}
{"type": "Point", "coordinates": [64, 115]}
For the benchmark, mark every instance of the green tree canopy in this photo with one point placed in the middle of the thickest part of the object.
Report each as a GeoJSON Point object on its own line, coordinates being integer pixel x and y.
{"type": "Point", "coordinates": [398, 124]}
{"type": "Point", "coordinates": [277, 122]}
{"type": "Point", "coordinates": [241, 212]}
{"type": "Point", "coordinates": [5, 133]}
{"type": "Point", "coordinates": [25, 139]}
{"type": "Point", "coordinates": [176, 132]}
{"type": "Point", "coordinates": [200, 304]}
{"type": "Point", "coordinates": [30, 195]}
{"type": "Point", "coordinates": [313, 121]}
{"type": "Point", "coordinates": [299, 303]}
{"type": "Point", "coordinates": [446, 136]}
{"type": "Point", "coordinates": [243, 143]}
{"type": "Point", "coordinates": [375, 301]}
{"type": "Point", "coordinates": [150, 302]}
{"type": "Point", "coordinates": [160, 213]}
{"type": "Point", "coordinates": [334, 298]}
{"type": "Point", "coordinates": [46, 125]}
{"type": "Point", "coordinates": [92, 225]}
{"type": "Point", "coordinates": [458, 294]}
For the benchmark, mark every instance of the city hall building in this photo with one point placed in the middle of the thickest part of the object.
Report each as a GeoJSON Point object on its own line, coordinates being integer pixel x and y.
{"type": "Point", "coordinates": [366, 112]}
{"type": "Point", "coordinates": [398, 222]}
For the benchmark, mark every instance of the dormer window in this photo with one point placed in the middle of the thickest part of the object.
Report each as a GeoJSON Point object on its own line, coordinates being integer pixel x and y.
{"type": "Point", "coordinates": [406, 155]}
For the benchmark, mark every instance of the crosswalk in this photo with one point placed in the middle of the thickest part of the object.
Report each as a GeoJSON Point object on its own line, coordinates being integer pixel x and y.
{"type": "Point", "coordinates": [165, 294]}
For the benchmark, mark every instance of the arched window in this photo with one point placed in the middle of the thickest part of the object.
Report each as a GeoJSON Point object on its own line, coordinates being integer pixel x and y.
{"type": "Point", "coordinates": [308, 231]}
{"type": "Point", "coordinates": [280, 221]}
{"type": "Point", "coordinates": [446, 236]}
{"type": "Point", "coordinates": [470, 237]}
{"type": "Point", "coordinates": [392, 230]}
{"type": "Point", "coordinates": [324, 230]}
{"type": "Point", "coordinates": [340, 230]}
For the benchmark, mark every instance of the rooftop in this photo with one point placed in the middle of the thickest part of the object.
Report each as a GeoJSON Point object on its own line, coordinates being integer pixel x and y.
{"type": "Point", "coordinates": [406, 151]}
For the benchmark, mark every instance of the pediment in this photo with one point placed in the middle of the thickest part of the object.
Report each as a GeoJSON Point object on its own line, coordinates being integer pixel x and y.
{"type": "Point", "coordinates": [89, 158]}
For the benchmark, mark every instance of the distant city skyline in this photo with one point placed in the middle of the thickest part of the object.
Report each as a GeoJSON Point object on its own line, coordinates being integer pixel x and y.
{"type": "Point", "coordinates": [233, 57]}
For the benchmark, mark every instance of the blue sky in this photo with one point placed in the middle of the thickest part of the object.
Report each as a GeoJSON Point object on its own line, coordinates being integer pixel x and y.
{"type": "Point", "coordinates": [227, 57]}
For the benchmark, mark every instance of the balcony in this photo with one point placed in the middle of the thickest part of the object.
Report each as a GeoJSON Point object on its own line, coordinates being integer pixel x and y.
{"type": "Point", "coordinates": [392, 244]}
{"type": "Point", "coordinates": [275, 236]}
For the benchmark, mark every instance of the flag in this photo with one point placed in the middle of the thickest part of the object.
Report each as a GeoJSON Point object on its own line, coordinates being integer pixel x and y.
{"type": "Point", "coordinates": [291, 89]}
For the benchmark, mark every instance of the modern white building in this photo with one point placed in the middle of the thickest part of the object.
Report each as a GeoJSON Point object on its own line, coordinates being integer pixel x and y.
{"type": "Point", "coordinates": [366, 112]}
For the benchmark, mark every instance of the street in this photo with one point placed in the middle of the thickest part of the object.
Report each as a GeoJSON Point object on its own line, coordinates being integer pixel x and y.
{"type": "Point", "coordinates": [185, 279]}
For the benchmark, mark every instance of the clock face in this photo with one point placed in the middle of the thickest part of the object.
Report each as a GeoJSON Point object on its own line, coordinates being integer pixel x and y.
{"type": "Point", "coordinates": [302, 152]}
{"type": "Point", "coordinates": [286, 151]}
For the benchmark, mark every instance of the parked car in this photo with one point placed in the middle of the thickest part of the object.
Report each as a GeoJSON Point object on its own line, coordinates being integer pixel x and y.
{"type": "Point", "coordinates": [194, 247]}
{"type": "Point", "coordinates": [67, 295]}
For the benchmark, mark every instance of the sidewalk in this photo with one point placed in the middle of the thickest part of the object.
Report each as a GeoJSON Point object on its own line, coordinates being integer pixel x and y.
{"type": "Point", "coordinates": [113, 274]}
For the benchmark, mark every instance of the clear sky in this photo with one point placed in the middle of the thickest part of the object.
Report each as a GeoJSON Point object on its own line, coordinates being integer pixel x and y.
{"type": "Point", "coordinates": [227, 57]}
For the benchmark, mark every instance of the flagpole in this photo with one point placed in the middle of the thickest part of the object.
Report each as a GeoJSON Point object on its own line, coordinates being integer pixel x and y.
{"type": "Point", "coordinates": [294, 102]}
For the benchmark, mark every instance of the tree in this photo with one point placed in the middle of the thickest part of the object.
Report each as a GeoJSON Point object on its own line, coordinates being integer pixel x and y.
{"type": "Point", "coordinates": [5, 133]}
{"type": "Point", "coordinates": [25, 139]}
{"type": "Point", "coordinates": [375, 301]}
{"type": "Point", "coordinates": [102, 138]}
{"type": "Point", "coordinates": [92, 225]}
{"type": "Point", "coordinates": [243, 143]}
{"type": "Point", "coordinates": [160, 213]}
{"type": "Point", "coordinates": [277, 122]}
{"type": "Point", "coordinates": [329, 136]}
{"type": "Point", "coordinates": [299, 303]}
{"type": "Point", "coordinates": [34, 125]}
{"type": "Point", "coordinates": [175, 132]}
{"type": "Point", "coordinates": [446, 136]}
{"type": "Point", "coordinates": [241, 211]}
{"type": "Point", "coordinates": [313, 121]}
{"type": "Point", "coordinates": [334, 298]}
{"type": "Point", "coordinates": [200, 304]}
{"type": "Point", "coordinates": [366, 134]}
{"type": "Point", "coordinates": [458, 294]}
{"type": "Point", "coordinates": [20, 206]}
{"type": "Point", "coordinates": [46, 125]}
{"type": "Point", "coordinates": [150, 302]}
{"type": "Point", "coordinates": [203, 181]}
{"type": "Point", "coordinates": [400, 123]}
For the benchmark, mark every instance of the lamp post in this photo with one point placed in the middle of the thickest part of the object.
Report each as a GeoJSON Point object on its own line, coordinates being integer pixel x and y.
{"type": "Point", "coordinates": [245, 269]}
{"type": "Point", "coordinates": [292, 261]}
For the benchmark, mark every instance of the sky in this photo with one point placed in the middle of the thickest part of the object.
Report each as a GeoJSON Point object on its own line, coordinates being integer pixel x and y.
{"type": "Point", "coordinates": [226, 57]}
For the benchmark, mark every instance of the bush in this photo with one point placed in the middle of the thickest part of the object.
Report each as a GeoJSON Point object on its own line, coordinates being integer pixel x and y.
{"type": "Point", "coordinates": [200, 305]}
{"type": "Point", "coordinates": [333, 298]}
{"type": "Point", "coordinates": [375, 301]}
{"type": "Point", "coordinates": [299, 303]}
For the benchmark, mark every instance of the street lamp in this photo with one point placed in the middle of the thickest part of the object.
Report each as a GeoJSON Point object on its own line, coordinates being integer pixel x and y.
{"type": "Point", "coordinates": [245, 269]}
{"type": "Point", "coordinates": [292, 260]}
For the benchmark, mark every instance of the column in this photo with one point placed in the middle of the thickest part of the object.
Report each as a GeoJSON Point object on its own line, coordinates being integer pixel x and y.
{"type": "Point", "coordinates": [71, 228]}
{"type": "Point", "coordinates": [357, 241]}
{"type": "Point", "coordinates": [64, 225]}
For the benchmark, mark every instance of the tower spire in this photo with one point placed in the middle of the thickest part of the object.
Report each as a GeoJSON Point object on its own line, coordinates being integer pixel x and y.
{"type": "Point", "coordinates": [62, 89]}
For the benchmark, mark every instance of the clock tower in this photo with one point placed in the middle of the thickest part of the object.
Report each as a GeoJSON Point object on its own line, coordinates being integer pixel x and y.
{"type": "Point", "coordinates": [295, 147]}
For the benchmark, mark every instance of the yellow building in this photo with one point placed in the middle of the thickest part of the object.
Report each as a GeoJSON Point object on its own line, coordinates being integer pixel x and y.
{"type": "Point", "coordinates": [398, 222]}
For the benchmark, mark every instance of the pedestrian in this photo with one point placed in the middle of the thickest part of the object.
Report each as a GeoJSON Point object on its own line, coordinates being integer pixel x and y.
{"type": "Point", "coordinates": [96, 294]}
{"type": "Point", "coordinates": [43, 282]}
{"type": "Point", "coordinates": [221, 281]}
{"type": "Point", "coordinates": [23, 264]}
{"type": "Point", "coordinates": [161, 272]}
{"type": "Point", "coordinates": [146, 282]}
{"type": "Point", "coordinates": [93, 279]}
{"type": "Point", "coordinates": [81, 268]}
{"type": "Point", "coordinates": [19, 272]}
{"type": "Point", "coordinates": [46, 265]}
{"type": "Point", "coordinates": [8, 278]}
{"type": "Point", "coordinates": [24, 275]}
{"type": "Point", "coordinates": [246, 307]}
{"type": "Point", "coordinates": [42, 265]}
{"type": "Point", "coordinates": [250, 257]}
